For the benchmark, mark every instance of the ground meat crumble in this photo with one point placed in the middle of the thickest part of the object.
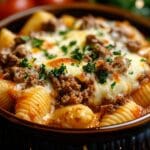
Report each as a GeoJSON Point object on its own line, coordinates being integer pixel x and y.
{"type": "Point", "coordinates": [70, 90]}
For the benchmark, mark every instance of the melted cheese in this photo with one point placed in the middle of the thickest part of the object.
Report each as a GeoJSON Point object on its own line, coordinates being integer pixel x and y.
{"type": "Point", "coordinates": [127, 82]}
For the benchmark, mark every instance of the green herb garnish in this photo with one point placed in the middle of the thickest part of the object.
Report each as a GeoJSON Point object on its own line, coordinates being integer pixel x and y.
{"type": "Point", "coordinates": [26, 76]}
{"type": "Point", "coordinates": [25, 38]}
{"type": "Point", "coordinates": [143, 59]}
{"type": "Point", "coordinates": [117, 52]}
{"type": "Point", "coordinates": [59, 71]}
{"type": "Point", "coordinates": [102, 76]}
{"type": "Point", "coordinates": [109, 60]}
{"type": "Point", "coordinates": [110, 46]}
{"type": "Point", "coordinates": [131, 72]}
{"type": "Point", "coordinates": [37, 42]}
{"type": "Point", "coordinates": [99, 33]}
{"type": "Point", "coordinates": [33, 59]}
{"type": "Point", "coordinates": [113, 85]}
{"type": "Point", "coordinates": [94, 55]}
{"type": "Point", "coordinates": [76, 54]}
{"type": "Point", "coordinates": [43, 72]}
{"type": "Point", "coordinates": [89, 68]}
{"type": "Point", "coordinates": [87, 48]}
{"type": "Point", "coordinates": [72, 43]}
{"type": "Point", "coordinates": [129, 60]}
{"type": "Point", "coordinates": [49, 56]}
{"type": "Point", "coordinates": [64, 49]}
{"type": "Point", "coordinates": [24, 63]}
{"type": "Point", "coordinates": [63, 32]}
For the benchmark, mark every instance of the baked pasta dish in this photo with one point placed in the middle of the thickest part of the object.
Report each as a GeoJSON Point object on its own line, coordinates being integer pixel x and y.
{"type": "Point", "coordinates": [72, 72]}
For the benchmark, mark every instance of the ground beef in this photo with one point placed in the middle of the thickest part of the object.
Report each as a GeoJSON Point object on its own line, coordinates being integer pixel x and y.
{"type": "Point", "coordinates": [28, 77]}
{"type": "Point", "coordinates": [106, 109]}
{"type": "Point", "coordinates": [119, 65]}
{"type": "Point", "coordinates": [20, 51]}
{"type": "Point", "coordinates": [118, 32]}
{"type": "Point", "coordinates": [97, 46]}
{"type": "Point", "coordinates": [102, 65]}
{"type": "Point", "coordinates": [133, 46]}
{"type": "Point", "coordinates": [91, 39]}
{"type": "Point", "coordinates": [18, 41]}
{"type": "Point", "coordinates": [121, 100]}
{"type": "Point", "coordinates": [7, 59]}
{"type": "Point", "coordinates": [89, 22]}
{"type": "Point", "coordinates": [144, 78]}
{"type": "Point", "coordinates": [70, 90]}
{"type": "Point", "coordinates": [49, 26]}
{"type": "Point", "coordinates": [87, 58]}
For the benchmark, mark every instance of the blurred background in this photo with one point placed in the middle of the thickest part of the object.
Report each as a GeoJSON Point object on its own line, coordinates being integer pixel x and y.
{"type": "Point", "coordinates": [8, 7]}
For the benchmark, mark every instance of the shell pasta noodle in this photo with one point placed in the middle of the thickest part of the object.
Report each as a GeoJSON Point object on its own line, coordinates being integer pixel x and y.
{"type": "Point", "coordinates": [76, 116]}
{"type": "Point", "coordinates": [33, 104]}
{"type": "Point", "coordinates": [75, 72]}
{"type": "Point", "coordinates": [6, 38]}
{"type": "Point", "coordinates": [36, 21]}
{"type": "Point", "coordinates": [125, 113]}
{"type": "Point", "coordinates": [5, 99]}
{"type": "Point", "coordinates": [142, 95]}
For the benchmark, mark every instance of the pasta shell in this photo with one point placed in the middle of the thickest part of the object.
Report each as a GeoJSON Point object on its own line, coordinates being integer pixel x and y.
{"type": "Point", "coordinates": [142, 95]}
{"type": "Point", "coordinates": [76, 116]}
{"type": "Point", "coordinates": [127, 112]}
{"type": "Point", "coordinates": [6, 38]}
{"type": "Point", "coordinates": [5, 99]}
{"type": "Point", "coordinates": [36, 21]}
{"type": "Point", "coordinates": [34, 104]}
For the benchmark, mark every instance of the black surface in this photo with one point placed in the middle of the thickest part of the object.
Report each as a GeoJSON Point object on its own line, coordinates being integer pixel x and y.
{"type": "Point", "coordinates": [15, 139]}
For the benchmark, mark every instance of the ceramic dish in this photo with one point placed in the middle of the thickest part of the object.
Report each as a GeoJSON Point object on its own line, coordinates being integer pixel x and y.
{"type": "Point", "coordinates": [14, 23]}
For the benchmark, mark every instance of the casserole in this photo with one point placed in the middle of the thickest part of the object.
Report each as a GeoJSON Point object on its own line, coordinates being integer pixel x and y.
{"type": "Point", "coordinates": [132, 126]}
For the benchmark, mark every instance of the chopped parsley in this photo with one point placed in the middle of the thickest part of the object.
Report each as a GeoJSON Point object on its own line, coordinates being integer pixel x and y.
{"type": "Point", "coordinates": [87, 48]}
{"type": "Point", "coordinates": [43, 72]}
{"type": "Point", "coordinates": [110, 46]}
{"type": "Point", "coordinates": [26, 75]}
{"type": "Point", "coordinates": [131, 72]}
{"type": "Point", "coordinates": [128, 61]}
{"type": "Point", "coordinates": [24, 63]}
{"type": "Point", "coordinates": [102, 76]}
{"type": "Point", "coordinates": [113, 85]}
{"type": "Point", "coordinates": [99, 33]}
{"type": "Point", "coordinates": [72, 43]}
{"type": "Point", "coordinates": [59, 71]}
{"type": "Point", "coordinates": [64, 49]}
{"type": "Point", "coordinates": [33, 59]}
{"type": "Point", "coordinates": [25, 38]}
{"type": "Point", "coordinates": [143, 59]}
{"type": "Point", "coordinates": [94, 55]}
{"type": "Point", "coordinates": [37, 42]}
{"type": "Point", "coordinates": [109, 59]}
{"type": "Point", "coordinates": [76, 54]}
{"type": "Point", "coordinates": [63, 32]}
{"type": "Point", "coordinates": [49, 56]}
{"type": "Point", "coordinates": [117, 52]}
{"type": "Point", "coordinates": [89, 68]}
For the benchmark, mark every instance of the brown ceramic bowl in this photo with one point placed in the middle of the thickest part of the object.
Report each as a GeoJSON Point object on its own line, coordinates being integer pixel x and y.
{"type": "Point", "coordinates": [30, 130]}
